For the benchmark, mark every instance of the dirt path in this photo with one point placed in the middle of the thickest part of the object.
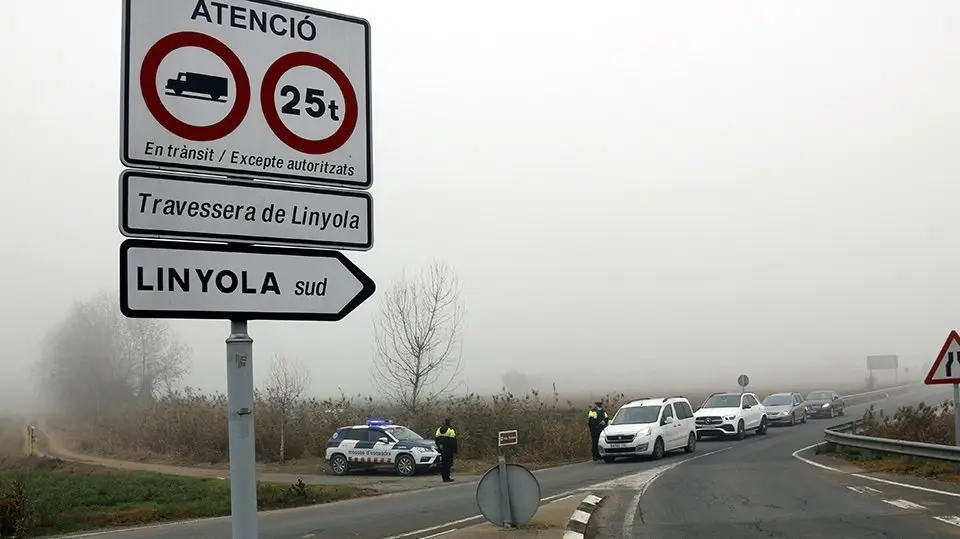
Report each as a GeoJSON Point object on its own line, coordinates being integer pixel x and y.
{"type": "Point", "coordinates": [378, 481]}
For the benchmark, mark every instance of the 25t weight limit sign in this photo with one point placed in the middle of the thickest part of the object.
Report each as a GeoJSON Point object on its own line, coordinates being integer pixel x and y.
{"type": "Point", "coordinates": [247, 87]}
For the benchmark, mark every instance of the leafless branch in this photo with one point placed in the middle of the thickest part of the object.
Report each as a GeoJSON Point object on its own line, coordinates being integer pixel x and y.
{"type": "Point", "coordinates": [286, 385]}
{"type": "Point", "coordinates": [418, 337]}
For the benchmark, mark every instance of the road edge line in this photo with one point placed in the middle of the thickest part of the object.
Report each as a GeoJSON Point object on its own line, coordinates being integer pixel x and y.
{"type": "Point", "coordinates": [796, 454]}
{"type": "Point", "coordinates": [577, 524]}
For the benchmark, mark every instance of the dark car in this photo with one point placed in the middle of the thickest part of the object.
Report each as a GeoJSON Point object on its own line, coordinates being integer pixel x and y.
{"type": "Point", "coordinates": [825, 403]}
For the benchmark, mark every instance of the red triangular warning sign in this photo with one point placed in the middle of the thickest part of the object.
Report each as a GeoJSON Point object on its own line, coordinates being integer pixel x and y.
{"type": "Point", "coordinates": [946, 369]}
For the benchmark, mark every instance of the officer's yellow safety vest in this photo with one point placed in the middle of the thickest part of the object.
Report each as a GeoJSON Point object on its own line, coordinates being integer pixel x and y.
{"type": "Point", "coordinates": [450, 432]}
{"type": "Point", "coordinates": [592, 414]}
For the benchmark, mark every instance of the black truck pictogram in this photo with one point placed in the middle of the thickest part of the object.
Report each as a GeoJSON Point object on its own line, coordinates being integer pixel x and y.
{"type": "Point", "coordinates": [198, 83]}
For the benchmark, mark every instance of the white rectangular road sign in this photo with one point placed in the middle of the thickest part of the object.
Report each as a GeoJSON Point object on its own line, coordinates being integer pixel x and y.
{"type": "Point", "coordinates": [246, 87]}
{"type": "Point", "coordinates": [160, 279]}
{"type": "Point", "coordinates": [164, 205]}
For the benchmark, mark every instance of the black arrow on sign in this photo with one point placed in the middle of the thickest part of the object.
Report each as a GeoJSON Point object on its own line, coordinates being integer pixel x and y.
{"type": "Point", "coordinates": [949, 364]}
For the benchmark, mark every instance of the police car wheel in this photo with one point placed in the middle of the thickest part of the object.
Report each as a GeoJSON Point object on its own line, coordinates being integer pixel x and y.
{"type": "Point", "coordinates": [406, 466]}
{"type": "Point", "coordinates": [339, 465]}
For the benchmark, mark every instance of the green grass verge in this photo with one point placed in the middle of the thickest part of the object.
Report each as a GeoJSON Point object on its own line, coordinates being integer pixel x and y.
{"type": "Point", "coordinates": [61, 497]}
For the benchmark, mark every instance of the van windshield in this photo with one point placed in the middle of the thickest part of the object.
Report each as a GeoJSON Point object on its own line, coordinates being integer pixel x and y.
{"type": "Point", "coordinates": [636, 414]}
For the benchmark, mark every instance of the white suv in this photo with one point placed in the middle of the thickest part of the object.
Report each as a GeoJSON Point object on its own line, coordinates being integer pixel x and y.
{"type": "Point", "coordinates": [649, 427]}
{"type": "Point", "coordinates": [731, 414]}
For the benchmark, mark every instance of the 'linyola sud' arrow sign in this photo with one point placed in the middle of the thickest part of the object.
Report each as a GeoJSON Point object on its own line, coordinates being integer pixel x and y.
{"type": "Point", "coordinates": [192, 280]}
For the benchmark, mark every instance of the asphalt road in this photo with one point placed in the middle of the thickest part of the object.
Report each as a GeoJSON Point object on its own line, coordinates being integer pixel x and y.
{"type": "Point", "coordinates": [695, 494]}
{"type": "Point", "coordinates": [756, 488]}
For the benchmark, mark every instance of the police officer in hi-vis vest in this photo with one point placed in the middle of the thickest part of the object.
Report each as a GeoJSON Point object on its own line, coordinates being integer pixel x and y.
{"type": "Point", "coordinates": [596, 421]}
{"type": "Point", "coordinates": [446, 438]}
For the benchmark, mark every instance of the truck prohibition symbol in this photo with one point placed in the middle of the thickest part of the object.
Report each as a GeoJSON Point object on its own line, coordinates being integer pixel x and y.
{"type": "Point", "coordinates": [198, 83]}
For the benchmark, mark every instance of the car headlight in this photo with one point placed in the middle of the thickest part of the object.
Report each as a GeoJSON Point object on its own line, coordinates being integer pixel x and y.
{"type": "Point", "coordinates": [827, 405]}
{"type": "Point", "coordinates": [422, 449]}
{"type": "Point", "coordinates": [729, 417]}
{"type": "Point", "coordinates": [643, 432]}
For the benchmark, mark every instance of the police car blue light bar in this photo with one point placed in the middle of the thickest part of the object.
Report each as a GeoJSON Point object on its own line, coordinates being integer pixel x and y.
{"type": "Point", "coordinates": [375, 422]}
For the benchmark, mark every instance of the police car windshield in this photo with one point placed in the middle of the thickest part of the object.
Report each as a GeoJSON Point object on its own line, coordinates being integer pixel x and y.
{"type": "Point", "coordinates": [637, 414]}
{"type": "Point", "coordinates": [403, 433]}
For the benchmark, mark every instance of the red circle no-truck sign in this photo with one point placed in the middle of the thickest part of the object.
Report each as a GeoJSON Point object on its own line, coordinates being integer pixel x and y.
{"type": "Point", "coordinates": [151, 96]}
{"type": "Point", "coordinates": [269, 86]}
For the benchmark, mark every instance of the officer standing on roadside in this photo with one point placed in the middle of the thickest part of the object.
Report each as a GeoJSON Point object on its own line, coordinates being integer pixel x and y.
{"type": "Point", "coordinates": [446, 438]}
{"type": "Point", "coordinates": [596, 421]}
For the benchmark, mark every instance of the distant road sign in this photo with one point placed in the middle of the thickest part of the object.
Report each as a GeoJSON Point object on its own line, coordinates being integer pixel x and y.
{"type": "Point", "coordinates": [887, 361]}
{"type": "Point", "coordinates": [743, 380]}
{"type": "Point", "coordinates": [507, 437]}
{"type": "Point", "coordinates": [164, 205]}
{"type": "Point", "coordinates": [946, 369]}
{"type": "Point", "coordinates": [160, 279]}
{"type": "Point", "coordinates": [257, 88]}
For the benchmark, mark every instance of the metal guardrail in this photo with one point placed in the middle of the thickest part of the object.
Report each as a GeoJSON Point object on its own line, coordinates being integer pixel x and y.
{"type": "Point", "coordinates": [845, 435]}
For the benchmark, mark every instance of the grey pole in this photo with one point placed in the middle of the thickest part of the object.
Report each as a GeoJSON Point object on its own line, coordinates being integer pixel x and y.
{"type": "Point", "coordinates": [956, 416]}
{"type": "Point", "coordinates": [505, 492]}
{"type": "Point", "coordinates": [243, 463]}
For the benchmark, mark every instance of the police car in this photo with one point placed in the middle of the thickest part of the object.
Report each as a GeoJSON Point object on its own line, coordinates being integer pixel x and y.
{"type": "Point", "coordinates": [380, 444]}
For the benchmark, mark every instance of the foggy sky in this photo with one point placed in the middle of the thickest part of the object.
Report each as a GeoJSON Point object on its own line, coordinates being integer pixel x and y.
{"type": "Point", "coordinates": [635, 191]}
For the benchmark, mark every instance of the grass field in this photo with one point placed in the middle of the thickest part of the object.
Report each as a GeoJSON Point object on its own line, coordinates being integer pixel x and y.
{"type": "Point", "coordinates": [49, 496]}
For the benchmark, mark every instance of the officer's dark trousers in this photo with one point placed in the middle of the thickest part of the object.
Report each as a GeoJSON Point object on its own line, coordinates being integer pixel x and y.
{"type": "Point", "coordinates": [594, 441]}
{"type": "Point", "coordinates": [446, 463]}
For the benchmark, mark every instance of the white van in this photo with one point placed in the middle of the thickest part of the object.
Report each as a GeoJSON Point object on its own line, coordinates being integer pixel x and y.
{"type": "Point", "coordinates": [649, 427]}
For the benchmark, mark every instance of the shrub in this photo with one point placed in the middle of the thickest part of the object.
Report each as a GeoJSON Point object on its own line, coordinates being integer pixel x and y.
{"type": "Point", "coordinates": [920, 423]}
{"type": "Point", "coordinates": [191, 427]}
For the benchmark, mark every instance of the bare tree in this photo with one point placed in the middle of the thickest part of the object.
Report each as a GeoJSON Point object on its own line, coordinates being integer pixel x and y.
{"type": "Point", "coordinates": [95, 358]}
{"type": "Point", "coordinates": [158, 360]}
{"type": "Point", "coordinates": [285, 386]}
{"type": "Point", "coordinates": [417, 334]}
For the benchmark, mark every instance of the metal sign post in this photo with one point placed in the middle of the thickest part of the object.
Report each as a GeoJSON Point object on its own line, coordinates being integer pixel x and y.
{"type": "Point", "coordinates": [243, 459]}
{"type": "Point", "coordinates": [956, 416]}
{"type": "Point", "coordinates": [505, 493]}
{"type": "Point", "coordinates": [505, 438]}
{"type": "Point", "coordinates": [508, 494]}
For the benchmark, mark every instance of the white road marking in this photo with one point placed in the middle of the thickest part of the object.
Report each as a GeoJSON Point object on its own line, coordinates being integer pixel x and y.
{"type": "Point", "coordinates": [906, 485]}
{"type": "Point", "coordinates": [641, 482]}
{"type": "Point", "coordinates": [451, 530]}
{"type": "Point", "coordinates": [564, 498]}
{"type": "Point", "coordinates": [864, 490]}
{"type": "Point", "coordinates": [308, 536]}
{"type": "Point", "coordinates": [580, 516]}
{"type": "Point", "coordinates": [435, 528]}
{"type": "Point", "coordinates": [796, 454]}
{"type": "Point", "coordinates": [562, 495]}
{"type": "Point", "coordinates": [570, 534]}
{"type": "Point", "coordinates": [592, 500]}
{"type": "Point", "coordinates": [904, 504]}
{"type": "Point", "coordinates": [949, 519]}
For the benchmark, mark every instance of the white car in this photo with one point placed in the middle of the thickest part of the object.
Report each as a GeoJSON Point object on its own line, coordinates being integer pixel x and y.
{"type": "Point", "coordinates": [731, 414]}
{"type": "Point", "coordinates": [649, 427]}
